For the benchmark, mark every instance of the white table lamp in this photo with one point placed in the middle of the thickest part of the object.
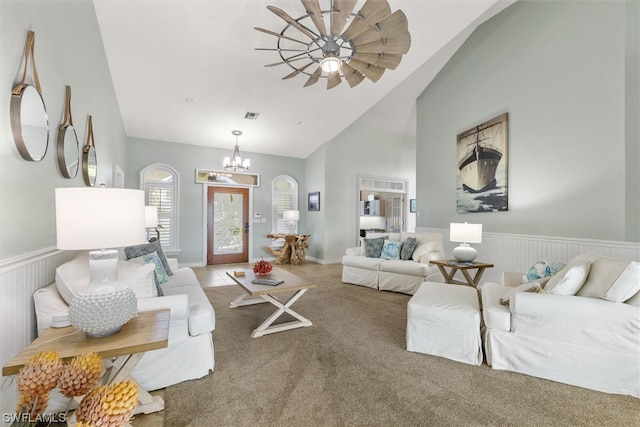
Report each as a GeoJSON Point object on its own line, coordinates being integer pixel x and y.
{"type": "Point", "coordinates": [291, 216]}
{"type": "Point", "coordinates": [464, 234]}
{"type": "Point", "coordinates": [95, 219]}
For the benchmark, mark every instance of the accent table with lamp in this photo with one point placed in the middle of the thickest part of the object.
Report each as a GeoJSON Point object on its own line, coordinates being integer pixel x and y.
{"type": "Point", "coordinates": [464, 268]}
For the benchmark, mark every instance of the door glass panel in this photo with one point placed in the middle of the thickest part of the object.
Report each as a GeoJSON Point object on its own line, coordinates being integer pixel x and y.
{"type": "Point", "coordinates": [227, 223]}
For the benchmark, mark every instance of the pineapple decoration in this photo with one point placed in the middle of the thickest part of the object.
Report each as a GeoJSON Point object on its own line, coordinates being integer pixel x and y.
{"type": "Point", "coordinates": [262, 268]}
{"type": "Point", "coordinates": [37, 378]}
{"type": "Point", "coordinates": [109, 405]}
{"type": "Point", "coordinates": [80, 375]}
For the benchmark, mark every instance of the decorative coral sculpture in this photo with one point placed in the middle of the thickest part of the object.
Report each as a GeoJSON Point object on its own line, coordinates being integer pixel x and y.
{"type": "Point", "coordinates": [110, 405]}
{"type": "Point", "coordinates": [38, 377]}
{"type": "Point", "coordinates": [262, 268]}
{"type": "Point", "coordinates": [80, 375]}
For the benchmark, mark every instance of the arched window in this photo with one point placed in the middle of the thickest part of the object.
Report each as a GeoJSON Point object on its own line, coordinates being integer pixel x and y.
{"type": "Point", "coordinates": [160, 183]}
{"type": "Point", "coordinates": [284, 197]}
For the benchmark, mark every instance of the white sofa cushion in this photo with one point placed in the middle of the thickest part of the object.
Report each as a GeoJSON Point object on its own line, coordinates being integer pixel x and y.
{"type": "Point", "coordinates": [569, 280]}
{"type": "Point", "coordinates": [495, 315]}
{"type": "Point", "coordinates": [73, 277]}
{"type": "Point", "coordinates": [627, 285]}
{"type": "Point", "coordinates": [139, 277]}
{"type": "Point", "coordinates": [201, 316]}
{"type": "Point", "coordinates": [362, 262]}
{"type": "Point", "coordinates": [405, 267]}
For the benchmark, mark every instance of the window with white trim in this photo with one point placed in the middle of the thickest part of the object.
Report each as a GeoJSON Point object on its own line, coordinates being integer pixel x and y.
{"type": "Point", "coordinates": [160, 183]}
{"type": "Point", "coordinates": [284, 197]}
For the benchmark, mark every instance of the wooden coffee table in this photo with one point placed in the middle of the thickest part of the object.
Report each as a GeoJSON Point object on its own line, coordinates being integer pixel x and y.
{"type": "Point", "coordinates": [265, 293]}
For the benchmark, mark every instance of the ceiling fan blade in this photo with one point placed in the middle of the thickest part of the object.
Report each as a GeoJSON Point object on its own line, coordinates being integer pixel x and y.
{"type": "Point", "coordinates": [282, 36]}
{"type": "Point", "coordinates": [342, 11]}
{"type": "Point", "coordinates": [353, 76]}
{"type": "Point", "coordinates": [394, 46]}
{"type": "Point", "coordinates": [372, 12]}
{"type": "Point", "coordinates": [314, 77]}
{"type": "Point", "coordinates": [279, 50]}
{"type": "Point", "coordinates": [333, 80]}
{"type": "Point", "coordinates": [390, 27]}
{"type": "Point", "coordinates": [284, 15]}
{"type": "Point", "coordinates": [297, 71]}
{"type": "Point", "coordinates": [286, 62]}
{"type": "Point", "coordinates": [313, 9]}
{"type": "Point", "coordinates": [371, 72]}
{"type": "Point", "coordinates": [385, 60]}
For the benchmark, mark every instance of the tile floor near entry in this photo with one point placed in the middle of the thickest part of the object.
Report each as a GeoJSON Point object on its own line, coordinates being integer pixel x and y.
{"type": "Point", "coordinates": [209, 276]}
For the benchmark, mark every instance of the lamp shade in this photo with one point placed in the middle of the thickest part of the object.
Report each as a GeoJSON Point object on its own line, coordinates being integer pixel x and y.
{"type": "Point", "coordinates": [465, 233]}
{"type": "Point", "coordinates": [291, 215]}
{"type": "Point", "coordinates": [150, 216]}
{"type": "Point", "coordinates": [95, 218]}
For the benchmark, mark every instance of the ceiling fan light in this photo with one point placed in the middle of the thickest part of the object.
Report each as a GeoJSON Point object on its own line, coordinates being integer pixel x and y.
{"type": "Point", "coordinates": [330, 64]}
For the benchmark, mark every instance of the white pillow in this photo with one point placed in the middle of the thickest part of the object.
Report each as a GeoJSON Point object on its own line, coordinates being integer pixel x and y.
{"type": "Point", "coordinates": [532, 286]}
{"type": "Point", "coordinates": [73, 277]}
{"type": "Point", "coordinates": [138, 277]}
{"type": "Point", "coordinates": [627, 285]}
{"type": "Point", "coordinates": [422, 248]}
{"type": "Point", "coordinates": [569, 280]}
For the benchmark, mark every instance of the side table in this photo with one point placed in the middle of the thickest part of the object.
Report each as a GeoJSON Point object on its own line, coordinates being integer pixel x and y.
{"type": "Point", "coordinates": [464, 268]}
{"type": "Point", "coordinates": [120, 352]}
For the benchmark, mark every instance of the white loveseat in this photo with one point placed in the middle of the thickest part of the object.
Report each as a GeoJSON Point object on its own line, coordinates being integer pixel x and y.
{"type": "Point", "coordinates": [588, 336]}
{"type": "Point", "coordinates": [189, 354]}
{"type": "Point", "coordinates": [396, 275]}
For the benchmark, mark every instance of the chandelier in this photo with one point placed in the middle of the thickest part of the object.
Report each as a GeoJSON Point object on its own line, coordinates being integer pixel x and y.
{"type": "Point", "coordinates": [235, 163]}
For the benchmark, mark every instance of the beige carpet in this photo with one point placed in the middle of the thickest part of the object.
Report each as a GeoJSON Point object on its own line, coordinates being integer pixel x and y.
{"type": "Point", "coordinates": [351, 368]}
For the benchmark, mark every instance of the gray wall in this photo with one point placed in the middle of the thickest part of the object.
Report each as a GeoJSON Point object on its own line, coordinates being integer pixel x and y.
{"type": "Point", "coordinates": [186, 159]}
{"type": "Point", "coordinates": [68, 51]}
{"type": "Point", "coordinates": [567, 74]}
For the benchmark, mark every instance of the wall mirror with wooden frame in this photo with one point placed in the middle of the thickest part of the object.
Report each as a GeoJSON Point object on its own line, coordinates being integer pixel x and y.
{"type": "Point", "coordinates": [29, 119]}
{"type": "Point", "coordinates": [68, 148]}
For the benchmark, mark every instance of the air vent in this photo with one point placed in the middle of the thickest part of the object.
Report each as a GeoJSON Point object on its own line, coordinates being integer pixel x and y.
{"type": "Point", "coordinates": [251, 116]}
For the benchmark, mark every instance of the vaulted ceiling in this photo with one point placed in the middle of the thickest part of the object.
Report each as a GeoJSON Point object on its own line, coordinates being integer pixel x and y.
{"type": "Point", "coordinates": [188, 72]}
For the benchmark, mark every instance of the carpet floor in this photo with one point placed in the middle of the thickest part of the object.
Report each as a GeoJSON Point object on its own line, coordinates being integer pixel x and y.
{"type": "Point", "coordinates": [351, 368]}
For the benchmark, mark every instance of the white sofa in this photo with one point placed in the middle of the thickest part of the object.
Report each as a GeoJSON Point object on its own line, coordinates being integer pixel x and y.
{"type": "Point", "coordinates": [189, 354]}
{"type": "Point", "coordinates": [395, 275]}
{"type": "Point", "coordinates": [584, 334]}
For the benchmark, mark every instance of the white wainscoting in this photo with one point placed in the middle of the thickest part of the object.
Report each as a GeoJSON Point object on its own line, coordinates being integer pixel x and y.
{"type": "Point", "coordinates": [517, 252]}
{"type": "Point", "coordinates": [19, 278]}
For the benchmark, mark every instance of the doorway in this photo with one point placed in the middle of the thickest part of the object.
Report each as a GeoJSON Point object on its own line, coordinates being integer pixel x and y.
{"type": "Point", "coordinates": [227, 225]}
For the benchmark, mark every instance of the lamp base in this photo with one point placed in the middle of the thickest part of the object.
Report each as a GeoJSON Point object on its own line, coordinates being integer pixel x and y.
{"type": "Point", "coordinates": [464, 253]}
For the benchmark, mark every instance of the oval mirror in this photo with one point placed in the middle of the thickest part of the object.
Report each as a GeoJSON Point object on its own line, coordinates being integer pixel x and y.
{"type": "Point", "coordinates": [68, 151]}
{"type": "Point", "coordinates": [89, 165]}
{"type": "Point", "coordinates": [29, 122]}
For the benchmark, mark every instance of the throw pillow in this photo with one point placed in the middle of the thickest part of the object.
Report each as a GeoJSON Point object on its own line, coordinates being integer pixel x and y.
{"type": "Point", "coordinates": [408, 246]}
{"type": "Point", "coordinates": [160, 275]}
{"type": "Point", "coordinates": [73, 277]}
{"type": "Point", "coordinates": [423, 247]}
{"type": "Point", "coordinates": [542, 269]}
{"type": "Point", "coordinates": [152, 246]}
{"type": "Point", "coordinates": [627, 285]}
{"type": "Point", "coordinates": [373, 247]}
{"type": "Point", "coordinates": [569, 280]}
{"type": "Point", "coordinates": [533, 286]}
{"type": "Point", "coordinates": [390, 250]}
{"type": "Point", "coordinates": [139, 277]}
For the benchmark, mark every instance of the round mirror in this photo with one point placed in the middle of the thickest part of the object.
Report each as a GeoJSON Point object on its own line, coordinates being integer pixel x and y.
{"type": "Point", "coordinates": [89, 165]}
{"type": "Point", "coordinates": [29, 123]}
{"type": "Point", "coordinates": [68, 151]}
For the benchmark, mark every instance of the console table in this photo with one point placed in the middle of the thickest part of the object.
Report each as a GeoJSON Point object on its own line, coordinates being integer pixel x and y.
{"type": "Point", "coordinates": [293, 250]}
{"type": "Point", "coordinates": [464, 267]}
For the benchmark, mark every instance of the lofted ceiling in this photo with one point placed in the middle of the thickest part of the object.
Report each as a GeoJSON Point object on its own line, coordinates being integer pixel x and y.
{"type": "Point", "coordinates": [187, 71]}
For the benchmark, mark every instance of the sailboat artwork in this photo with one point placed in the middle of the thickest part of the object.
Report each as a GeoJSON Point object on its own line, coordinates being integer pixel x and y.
{"type": "Point", "coordinates": [482, 167]}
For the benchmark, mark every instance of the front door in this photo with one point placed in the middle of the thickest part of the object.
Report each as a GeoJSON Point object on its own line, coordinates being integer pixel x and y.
{"type": "Point", "coordinates": [227, 225]}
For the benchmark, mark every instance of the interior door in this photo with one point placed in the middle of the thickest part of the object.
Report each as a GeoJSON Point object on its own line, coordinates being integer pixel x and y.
{"type": "Point", "coordinates": [227, 225]}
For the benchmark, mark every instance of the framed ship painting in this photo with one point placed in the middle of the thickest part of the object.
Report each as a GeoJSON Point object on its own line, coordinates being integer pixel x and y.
{"type": "Point", "coordinates": [482, 154]}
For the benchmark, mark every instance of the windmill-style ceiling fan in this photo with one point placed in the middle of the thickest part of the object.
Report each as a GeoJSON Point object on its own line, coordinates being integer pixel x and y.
{"type": "Point", "coordinates": [374, 40]}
